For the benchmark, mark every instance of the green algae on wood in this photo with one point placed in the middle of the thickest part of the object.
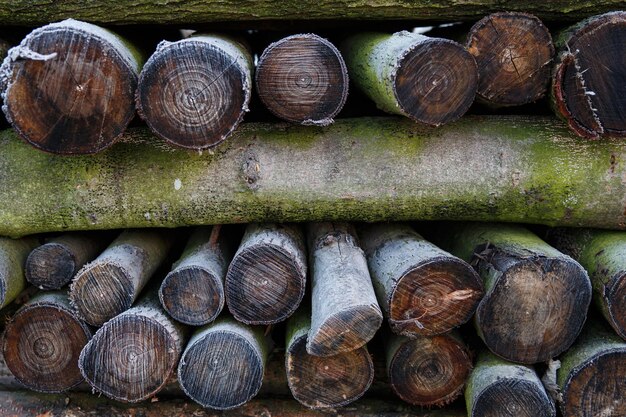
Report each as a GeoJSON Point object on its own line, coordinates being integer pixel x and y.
{"type": "Point", "coordinates": [13, 254]}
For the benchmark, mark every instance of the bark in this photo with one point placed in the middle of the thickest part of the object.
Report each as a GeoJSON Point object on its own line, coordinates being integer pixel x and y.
{"type": "Point", "coordinates": [536, 298]}
{"type": "Point", "coordinates": [267, 276]}
{"type": "Point", "coordinates": [345, 314]}
{"type": "Point", "coordinates": [68, 87]}
{"type": "Point", "coordinates": [302, 79]}
{"type": "Point", "coordinates": [110, 284]}
{"type": "Point", "coordinates": [521, 169]}
{"type": "Point", "coordinates": [223, 364]}
{"type": "Point", "coordinates": [514, 54]}
{"type": "Point", "coordinates": [13, 254]}
{"type": "Point", "coordinates": [498, 388]}
{"type": "Point", "coordinates": [194, 92]}
{"type": "Point", "coordinates": [431, 80]}
{"type": "Point", "coordinates": [589, 72]}
{"type": "Point", "coordinates": [42, 342]}
{"type": "Point", "coordinates": [422, 290]}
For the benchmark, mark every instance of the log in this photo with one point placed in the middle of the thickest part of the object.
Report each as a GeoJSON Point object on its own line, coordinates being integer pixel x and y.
{"type": "Point", "coordinates": [42, 343]}
{"type": "Point", "coordinates": [266, 279]}
{"type": "Point", "coordinates": [194, 92]}
{"type": "Point", "coordinates": [514, 53]}
{"type": "Point", "coordinates": [193, 291]}
{"type": "Point", "coordinates": [68, 87]}
{"type": "Point", "coordinates": [133, 355]}
{"type": "Point", "coordinates": [223, 364]}
{"type": "Point", "coordinates": [54, 264]}
{"type": "Point", "coordinates": [428, 371]}
{"type": "Point", "coordinates": [431, 80]}
{"type": "Point", "coordinates": [536, 298]}
{"type": "Point", "coordinates": [302, 79]}
{"type": "Point", "coordinates": [498, 388]}
{"type": "Point", "coordinates": [592, 376]}
{"type": "Point", "coordinates": [515, 169]}
{"type": "Point", "coordinates": [422, 290]}
{"type": "Point", "coordinates": [110, 284]}
{"type": "Point", "coordinates": [603, 254]}
{"type": "Point", "coordinates": [589, 72]}
{"type": "Point", "coordinates": [323, 382]}
{"type": "Point", "coordinates": [13, 254]}
{"type": "Point", "coordinates": [344, 312]}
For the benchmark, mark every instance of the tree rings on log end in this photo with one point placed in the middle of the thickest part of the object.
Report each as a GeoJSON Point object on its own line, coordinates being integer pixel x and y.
{"type": "Point", "coordinates": [50, 266]}
{"type": "Point", "coordinates": [512, 397]}
{"type": "Point", "coordinates": [303, 79]}
{"type": "Point", "coordinates": [615, 295]}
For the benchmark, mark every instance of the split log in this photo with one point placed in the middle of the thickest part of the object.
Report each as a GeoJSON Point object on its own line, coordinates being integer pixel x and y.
{"type": "Point", "coordinates": [303, 79]}
{"type": "Point", "coordinates": [194, 93]}
{"type": "Point", "coordinates": [323, 382]}
{"type": "Point", "coordinates": [266, 279]}
{"type": "Point", "coordinates": [133, 355]}
{"type": "Point", "coordinates": [423, 290]}
{"type": "Point", "coordinates": [68, 87]}
{"type": "Point", "coordinates": [42, 343]}
{"type": "Point", "coordinates": [345, 314]}
{"type": "Point", "coordinates": [431, 80]}
{"type": "Point", "coordinates": [498, 388]}
{"type": "Point", "coordinates": [514, 54]}
{"type": "Point", "coordinates": [54, 264]}
{"type": "Point", "coordinates": [428, 371]}
{"type": "Point", "coordinates": [520, 169]}
{"type": "Point", "coordinates": [193, 291]}
{"type": "Point", "coordinates": [13, 254]}
{"type": "Point", "coordinates": [603, 254]}
{"type": "Point", "coordinates": [592, 376]}
{"type": "Point", "coordinates": [223, 364]}
{"type": "Point", "coordinates": [110, 284]}
{"type": "Point", "coordinates": [588, 78]}
{"type": "Point", "coordinates": [536, 298]}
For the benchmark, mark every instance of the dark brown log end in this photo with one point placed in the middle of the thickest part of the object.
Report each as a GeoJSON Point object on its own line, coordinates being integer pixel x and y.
{"type": "Point", "coordinates": [436, 82]}
{"type": "Point", "coordinates": [264, 285]}
{"type": "Point", "coordinates": [193, 93]}
{"type": "Point", "coordinates": [192, 295]}
{"type": "Point", "coordinates": [222, 370]}
{"type": "Point", "coordinates": [42, 345]}
{"type": "Point", "coordinates": [511, 397]}
{"type": "Point", "coordinates": [434, 297]}
{"type": "Point", "coordinates": [129, 359]}
{"type": "Point", "coordinates": [615, 295]}
{"type": "Point", "coordinates": [514, 53]}
{"type": "Point", "coordinates": [303, 79]}
{"type": "Point", "coordinates": [79, 99]}
{"type": "Point", "coordinates": [324, 382]}
{"type": "Point", "coordinates": [430, 371]}
{"type": "Point", "coordinates": [50, 266]}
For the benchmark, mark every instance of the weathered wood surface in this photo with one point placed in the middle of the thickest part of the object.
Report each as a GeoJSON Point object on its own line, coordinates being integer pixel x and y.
{"type": "Point", "coordinates": [13, 254]}
{"type": "Point", "coordinates": [523, 169]}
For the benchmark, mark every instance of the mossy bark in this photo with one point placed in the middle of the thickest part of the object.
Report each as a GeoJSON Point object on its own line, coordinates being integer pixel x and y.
{"type": "Point", "coordinates": [13, 255]}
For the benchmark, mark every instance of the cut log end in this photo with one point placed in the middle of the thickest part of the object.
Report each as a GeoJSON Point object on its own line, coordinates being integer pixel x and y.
{"type": "Point", "coordinates": [514, 54]}
{"type": "Point", "coordinates": [436, 82]}
{"type": "Point", "coordinates": [434, 298]}
{"type": "Point", "coordinates": [324, 382]}
{"type": "Point", "coordinates": [50, 266]}
{"type": "Point", "coordinates": [303, 79]}
{"type": "Point", "coordinates": [192, 295]}
{"type": "Point", "coordinates": [615, 295]}
{"type": "Point", "coordinates": [511, 398]}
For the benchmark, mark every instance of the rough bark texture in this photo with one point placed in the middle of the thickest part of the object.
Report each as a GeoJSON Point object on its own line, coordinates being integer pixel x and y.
{"type": "Point", "coordinates": [423, 290]}
{"type": "Point", "coordinates": [303, 79]}
{"type": "Point", "coordinates": [588, 77]}
{"type": "Point", "coordinates": [133, 355]}
{"type": "Point", "coordinates": [68, 87]}
{"type": "Point", "coordinates": [431, 80]}
{"type": "Point", "coordinates": [223, 364]}
{"type": "Point", "coordinates": [111, 283]}
{"type": "Point", "coordinates": [42, 343]}
{"type": "Point", "coordinates": [193, 291]}
{"type": "Point", "coordinates": [497, 388]}
{"type": "Point", "coordinates": [267, 276]}
{"type": "Point", "coordinates": [323, 382]}
{"type": "Point", "coordinates": [345, 314]}
{"type": "Point", "coordinates": [194, 93]}
{"type": "Point", "coordinates": [514, 54]}
{"type": "Point", "coordinates": [521, 169]}
{"type": "Point", "coordinates": [13, 254]}
{"type": "Point", "coordinates": [536, 298]}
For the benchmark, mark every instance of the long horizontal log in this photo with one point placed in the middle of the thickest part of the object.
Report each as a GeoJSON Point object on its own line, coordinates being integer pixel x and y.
{"type": "Point", "coordinates": [516, 169]}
